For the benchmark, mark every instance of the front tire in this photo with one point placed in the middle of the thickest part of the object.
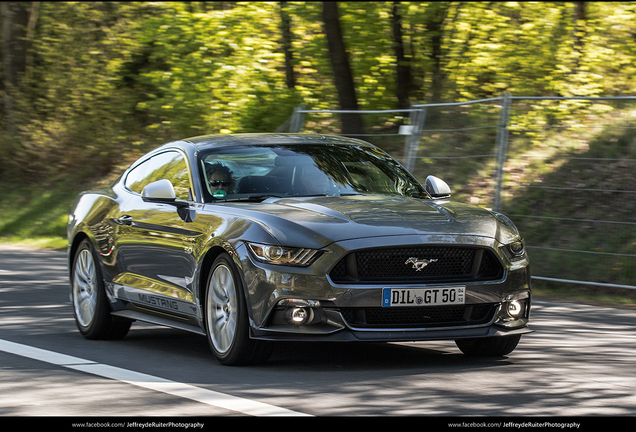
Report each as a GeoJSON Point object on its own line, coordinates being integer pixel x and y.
{"type": "Point", "coordinates": [226, 318]}
{"type": "Point", "coordinates": [90, 303]}
{"type": "Point", "coordinates": [489, 346]}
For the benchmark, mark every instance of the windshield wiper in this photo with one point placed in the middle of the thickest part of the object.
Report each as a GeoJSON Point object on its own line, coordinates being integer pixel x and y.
{"type": "Point", "coordinates": [251, 198]}
{"type": "Point", "coordinates": [325, 194]}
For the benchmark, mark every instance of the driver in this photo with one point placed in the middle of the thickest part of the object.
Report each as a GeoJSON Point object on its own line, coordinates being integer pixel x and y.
{"type": "Point", "coordinates": [220, 178]}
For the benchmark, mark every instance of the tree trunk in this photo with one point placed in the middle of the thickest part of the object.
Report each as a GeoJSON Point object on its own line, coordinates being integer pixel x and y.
{"type": "Point", "coordinates": [436, 14]}
{"type": "Point", "coordinates": [15, 21]}
{"type": "Point", "coordinates": [403, 70]}
{"type": "Point", "coordinates": [351, 123]}
{"type": "Point", "coordinates": [579, 33]}
{"type": "Point", "coordinates": [290, 77]}
{"type": "Point", "coordinates": [30, 32]}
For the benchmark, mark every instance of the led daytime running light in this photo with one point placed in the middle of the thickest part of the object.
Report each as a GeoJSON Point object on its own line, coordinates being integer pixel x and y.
{"type": "Point", "coordinates": [273, 254]}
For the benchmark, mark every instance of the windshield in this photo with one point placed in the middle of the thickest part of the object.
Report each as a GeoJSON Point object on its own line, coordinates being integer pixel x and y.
{"type": "Point", "coordinates": [258, 172]}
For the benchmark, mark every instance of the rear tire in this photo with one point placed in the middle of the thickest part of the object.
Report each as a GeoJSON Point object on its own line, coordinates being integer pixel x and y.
{"type": "Point", "coordinates": [226, 317]}
{"type": "Point", "coordinates": [488, 347]}
{"type": "Point", "coordinates": [90, 303]}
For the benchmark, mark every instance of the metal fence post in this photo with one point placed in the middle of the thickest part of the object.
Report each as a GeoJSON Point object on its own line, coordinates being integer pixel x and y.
{"type": "Point", "coordinates": [413, 141]}
{"type": "Point", "coordinates": [297, 120]}
{"type": "Point", "coordinates": [502, 148]}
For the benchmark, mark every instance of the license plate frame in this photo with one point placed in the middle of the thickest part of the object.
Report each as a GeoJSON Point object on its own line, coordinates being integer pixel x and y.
{"type": "Point", "coordinates": [419, 297]}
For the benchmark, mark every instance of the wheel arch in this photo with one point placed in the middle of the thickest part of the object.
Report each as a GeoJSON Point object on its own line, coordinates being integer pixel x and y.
{"type": "Point", "coordinates": [205, 269]}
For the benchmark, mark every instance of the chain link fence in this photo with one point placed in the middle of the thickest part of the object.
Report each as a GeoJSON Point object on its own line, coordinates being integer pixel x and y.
{"type": "Point", "coordinates": [563, 168]}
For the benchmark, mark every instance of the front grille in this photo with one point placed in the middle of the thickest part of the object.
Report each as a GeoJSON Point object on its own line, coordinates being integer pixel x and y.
{"type": "Point", "coordinates": [395, 266]}
{"type": "Point", "coordinates": [429, 317]}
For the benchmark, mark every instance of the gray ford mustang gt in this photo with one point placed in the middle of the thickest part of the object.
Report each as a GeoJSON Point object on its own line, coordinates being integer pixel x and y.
{"type": "Point", "coordinates": [251, 239]}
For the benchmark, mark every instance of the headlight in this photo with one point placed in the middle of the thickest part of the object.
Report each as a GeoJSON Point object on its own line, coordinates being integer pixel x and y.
{"type": "Point", "coordinates": [517, 249]}
{"type": "Point", "coordinates": [273, 254]}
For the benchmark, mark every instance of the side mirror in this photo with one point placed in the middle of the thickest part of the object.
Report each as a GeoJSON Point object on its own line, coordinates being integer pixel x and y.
{"type": "Point", "coordinates": [162, 192]}
{"type": "Point", "coordinates": [437, 188]}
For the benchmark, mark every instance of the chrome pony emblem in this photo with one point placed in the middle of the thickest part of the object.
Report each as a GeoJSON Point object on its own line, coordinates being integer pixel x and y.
{"type": "Point", "coordinates": [419, 264]}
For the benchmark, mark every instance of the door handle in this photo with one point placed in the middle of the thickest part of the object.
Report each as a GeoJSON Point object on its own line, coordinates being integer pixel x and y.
{"type": "Point", "coordinates": [125, 220]}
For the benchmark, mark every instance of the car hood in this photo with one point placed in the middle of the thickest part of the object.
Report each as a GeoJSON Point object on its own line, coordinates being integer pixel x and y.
{"type": "Point", "coordinates": [332, 219]}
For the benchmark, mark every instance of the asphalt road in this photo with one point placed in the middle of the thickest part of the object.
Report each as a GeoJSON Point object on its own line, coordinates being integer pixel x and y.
{"type": "Point", "coordinates": [580, 362]}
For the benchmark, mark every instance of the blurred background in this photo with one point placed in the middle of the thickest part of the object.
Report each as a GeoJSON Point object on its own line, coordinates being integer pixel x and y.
{"type": "Point", "coordinates": [522, 107]}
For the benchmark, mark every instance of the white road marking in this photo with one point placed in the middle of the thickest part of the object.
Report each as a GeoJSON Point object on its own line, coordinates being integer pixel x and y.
{"type": "Point", "coordinates": [209, 397]}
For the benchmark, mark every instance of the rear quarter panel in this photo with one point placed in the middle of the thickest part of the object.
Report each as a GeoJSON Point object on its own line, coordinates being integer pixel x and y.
{"type": "Point", "coordinates": [90, 217]}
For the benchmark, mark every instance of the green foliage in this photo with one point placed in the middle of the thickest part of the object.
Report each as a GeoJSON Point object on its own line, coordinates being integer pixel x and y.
{"type": "Point", "coordinates": [267, 109]}
{"type": "Point", "coordinates": [113, 77]}
{"type": "Point", "coordinates": [193, 72]}
{"type": "Point", "coordinates": [69, 111]}
{"type": "Point", "coordinates": [368, 35]}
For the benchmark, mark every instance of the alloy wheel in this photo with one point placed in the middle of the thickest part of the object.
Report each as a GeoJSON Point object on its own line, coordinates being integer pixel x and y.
{"type": "Point", "coordinates": [223, 309]}
{"type": "Point", "coordinates": [84, 288]}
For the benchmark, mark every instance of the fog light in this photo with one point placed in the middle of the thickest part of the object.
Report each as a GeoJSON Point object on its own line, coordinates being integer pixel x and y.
{"type": "Point", "coordinates": [298, 315]}
{"type": "Point", "coordinates": [515, 308]}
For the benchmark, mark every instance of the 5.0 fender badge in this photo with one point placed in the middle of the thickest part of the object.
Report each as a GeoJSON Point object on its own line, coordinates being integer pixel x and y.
{"type": "Point", "coordinates": [419, 264]}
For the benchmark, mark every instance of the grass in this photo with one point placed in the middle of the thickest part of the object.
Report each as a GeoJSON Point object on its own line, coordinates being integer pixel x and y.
{"type": "Point", "coordinates": [52, 243]}
{"type": "Point", "coordinates": [617, 298]}
{"type": "Point", "coordinates": [36, 215]}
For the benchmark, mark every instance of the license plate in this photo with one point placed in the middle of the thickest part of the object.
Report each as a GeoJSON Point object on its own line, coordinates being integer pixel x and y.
{"type": "Point", "coordinates": [423, 296]}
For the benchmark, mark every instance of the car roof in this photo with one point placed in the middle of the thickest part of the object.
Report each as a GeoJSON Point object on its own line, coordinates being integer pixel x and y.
{"type": "Point", "coordinates": [223, 140]}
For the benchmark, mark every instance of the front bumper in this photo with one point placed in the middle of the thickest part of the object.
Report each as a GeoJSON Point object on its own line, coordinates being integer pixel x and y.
{"type": "Point", "coordinates": [302, 304]}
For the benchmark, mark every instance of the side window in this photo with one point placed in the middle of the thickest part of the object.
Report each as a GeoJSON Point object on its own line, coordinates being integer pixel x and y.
{"type": "Point", "coordinates": [169, 165]}
{"type": "Point", "coordinates": [135, 178]}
